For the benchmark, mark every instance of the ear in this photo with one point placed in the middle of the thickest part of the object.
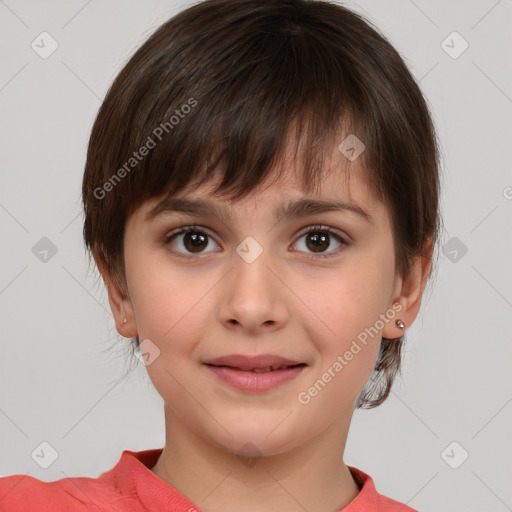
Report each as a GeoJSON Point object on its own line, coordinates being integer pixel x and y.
{"type": "Point", "coordinates": [408, 292]}
{"type": "Point", "coordinates": [119, 301]}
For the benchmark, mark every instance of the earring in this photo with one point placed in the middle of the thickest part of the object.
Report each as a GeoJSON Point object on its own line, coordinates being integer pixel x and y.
{"type": "Point", "coordinates": [124, 321]}
{"type": "Point", "coordinates": [400, 324]}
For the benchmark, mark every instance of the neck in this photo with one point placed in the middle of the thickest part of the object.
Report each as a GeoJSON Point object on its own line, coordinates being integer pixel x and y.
{"type": "Point", "coordinates": [311, 477]}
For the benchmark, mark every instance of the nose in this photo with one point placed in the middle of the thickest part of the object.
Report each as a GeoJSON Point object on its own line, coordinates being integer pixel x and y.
{"type": "Point", "coordinates": [254, 295]}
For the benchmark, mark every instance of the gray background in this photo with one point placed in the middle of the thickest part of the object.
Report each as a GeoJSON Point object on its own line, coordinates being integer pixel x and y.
{"type": "Point", "coordinates": [61, 385]}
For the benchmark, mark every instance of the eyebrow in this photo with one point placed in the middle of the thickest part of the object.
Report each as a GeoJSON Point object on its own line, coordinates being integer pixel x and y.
{"type": "Point", "coordinates": [293, 210]}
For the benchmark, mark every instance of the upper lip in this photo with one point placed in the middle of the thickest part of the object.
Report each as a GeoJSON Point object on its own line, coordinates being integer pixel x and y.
{"type": "Point", "coordinates": [244, 362]}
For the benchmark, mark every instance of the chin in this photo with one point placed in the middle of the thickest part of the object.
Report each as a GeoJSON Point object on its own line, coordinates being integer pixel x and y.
{"type": "Point", "coordinates": [255, 442]}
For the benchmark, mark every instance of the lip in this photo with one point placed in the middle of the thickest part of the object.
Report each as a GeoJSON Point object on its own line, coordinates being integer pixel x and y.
{"type": "Point", "coordinates": [245, 362]}
{"type": "Point", "coordinates": [246, 380]}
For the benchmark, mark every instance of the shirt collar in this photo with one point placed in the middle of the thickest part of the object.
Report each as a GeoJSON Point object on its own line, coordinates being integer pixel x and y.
{"type": "Point", "coordinates": [134, 479]}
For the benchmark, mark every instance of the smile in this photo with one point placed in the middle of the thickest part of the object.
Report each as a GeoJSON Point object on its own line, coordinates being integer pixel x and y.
{"type": "Point", "coordinates": [256, 379]}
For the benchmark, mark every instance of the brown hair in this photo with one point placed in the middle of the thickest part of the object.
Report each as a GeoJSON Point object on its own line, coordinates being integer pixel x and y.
{"type": "Point", "coordinates": [226, 80]}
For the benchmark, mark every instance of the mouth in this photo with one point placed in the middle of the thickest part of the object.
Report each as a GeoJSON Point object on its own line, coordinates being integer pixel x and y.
{"type": "Point", "coordinates": [266, 369]}
{"type": "Point", "coordinates": [257, 363]}
{"type": "Point", "coordinates": [257, 379]}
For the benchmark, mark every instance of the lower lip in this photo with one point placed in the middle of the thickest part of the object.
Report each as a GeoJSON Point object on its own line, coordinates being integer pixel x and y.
{"type": "Point", "coordinates": [256, 382]}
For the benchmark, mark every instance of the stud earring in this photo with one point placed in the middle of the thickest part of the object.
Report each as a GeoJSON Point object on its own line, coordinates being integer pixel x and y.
{"type": "Point", "coordinates": [124, 321]}
{"type": "Point", "coordinates": [400, 324]}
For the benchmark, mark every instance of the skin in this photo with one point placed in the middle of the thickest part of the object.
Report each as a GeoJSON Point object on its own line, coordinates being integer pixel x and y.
{"type": "Point", "coordinates": [289, 302]}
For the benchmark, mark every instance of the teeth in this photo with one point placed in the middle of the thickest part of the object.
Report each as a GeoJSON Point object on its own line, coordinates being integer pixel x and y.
{"type": "Point", "coordinates": [262, 370]}
{"type": "Point", "coordinates": [269, 369]}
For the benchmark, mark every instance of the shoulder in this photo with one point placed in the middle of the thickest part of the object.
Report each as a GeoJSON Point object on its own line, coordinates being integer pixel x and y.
{"type": "Point", "coordinates": [370, 499]}
{"type": "Point", "coordinates": [115, 490]}
{"type": "Point", "coordinates": [391, 505]}
{"type": "Point", "coordinates": [24, 493]}
{"type": "Point", "coordinates": [20, 493]}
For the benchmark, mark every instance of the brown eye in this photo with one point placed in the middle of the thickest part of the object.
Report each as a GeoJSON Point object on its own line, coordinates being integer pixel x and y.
{"type": "Point", "coordinates": [195, 241]}
{"type": "Point", "coordinates": [188, 240]}
{"type": "Point", "coordinates": [318, 239]}
{"type": "Point", "coordinates": [317, 242]}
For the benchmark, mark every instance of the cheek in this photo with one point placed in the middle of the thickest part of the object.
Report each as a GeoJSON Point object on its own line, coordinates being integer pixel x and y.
{"type": "Point", "coordinates": [168, 302]}
{"type": "Point", "coordinates": [354, 298]}
{"type": "Point", "coordinates": [347, 332]}
{"type": "Point", "coordinates": [172, 310]}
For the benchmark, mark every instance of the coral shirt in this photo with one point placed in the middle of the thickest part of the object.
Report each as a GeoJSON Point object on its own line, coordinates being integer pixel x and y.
{"type": "Point", "coordinates": [130, 486]}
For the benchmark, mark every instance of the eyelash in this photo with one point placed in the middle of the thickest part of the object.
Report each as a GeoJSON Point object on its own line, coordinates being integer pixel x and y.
{"type": "Point", "coordinates": [312, 229]}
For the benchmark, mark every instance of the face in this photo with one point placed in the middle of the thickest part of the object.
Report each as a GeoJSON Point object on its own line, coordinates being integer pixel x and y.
{"type": "Point", "coordinates": [246, 283]}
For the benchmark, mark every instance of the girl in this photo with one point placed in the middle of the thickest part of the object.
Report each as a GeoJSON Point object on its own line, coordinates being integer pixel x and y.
{"type": "Point", "coordinates": [261, 199]}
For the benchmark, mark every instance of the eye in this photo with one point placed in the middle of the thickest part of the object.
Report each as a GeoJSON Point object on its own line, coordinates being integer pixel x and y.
{"type": "Point", "coordinates": [194, 241]}
{"type": "Point", "coordinates": [318, 238]}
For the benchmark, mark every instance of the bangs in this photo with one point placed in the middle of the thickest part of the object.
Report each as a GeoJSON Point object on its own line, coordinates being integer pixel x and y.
{"type": "Point", "coordinates": [241, 155]}
{"type": "Point", "coordinates": [230, 106]}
